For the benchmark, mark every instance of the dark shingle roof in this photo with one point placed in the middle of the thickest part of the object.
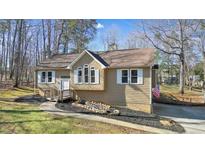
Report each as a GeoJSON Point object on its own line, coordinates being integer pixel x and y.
{"type": "Point", "coordinates": [100, 59]}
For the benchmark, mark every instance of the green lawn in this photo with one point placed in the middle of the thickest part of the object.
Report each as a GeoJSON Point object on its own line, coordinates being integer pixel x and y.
{"type": "Point", "coordinates": [174, 89]}
{"type": "Point", "coordinates": [170, 94]}
{"type": "Point", "coordinates": [16, 92]}
{"type": "Point", "coordinates": [29, 119]}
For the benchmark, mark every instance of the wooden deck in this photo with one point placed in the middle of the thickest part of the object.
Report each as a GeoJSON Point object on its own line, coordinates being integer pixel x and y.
{"type": "Point", "coordinates": [56, 95]}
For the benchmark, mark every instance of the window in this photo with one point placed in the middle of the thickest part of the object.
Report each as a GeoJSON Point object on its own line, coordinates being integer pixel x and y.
{"type": "Point", "coordinates": [43, 77]}
{"type": "Point", "coordinates": [92, 75]}
{"type": "Point", "coordinates": [79, 75]}
{"type": "Point", "coordinates": [125, 76]}
{"type": "Point", "coordinates": [129, 76]}
{"type": "Point", "coordinates": [86, 76]}
{"type": "Point", "coordinates": [134, 74]}
{"type": "Point", "coordinates": [49, 76]}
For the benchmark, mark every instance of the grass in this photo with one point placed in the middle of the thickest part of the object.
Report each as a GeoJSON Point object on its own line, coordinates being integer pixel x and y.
{"type": "Point", "coordinates": [21, 118]}
{"type": "Point", "coordinates": [174, 89]}
{"type": "Point", "coordinates": [16, 92]}
{"type": "Point", "coordinates": [170, 94]}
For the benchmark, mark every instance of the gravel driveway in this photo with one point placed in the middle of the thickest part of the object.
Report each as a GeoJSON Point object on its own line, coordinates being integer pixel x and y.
{"type": "Point", "coordinates": [192, 118]}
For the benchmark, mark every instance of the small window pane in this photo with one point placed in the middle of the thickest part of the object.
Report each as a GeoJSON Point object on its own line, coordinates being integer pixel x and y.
{"type": "Point", "coordinates": [133, 76]}
{"type": "Point", "coordinates": [86, 74]}
{"type": "Point", "coordinates": [124, 72]}
{"type": "Point", "coordinates": [134, 72]}
{"type": "Point", "coordinates": [124, 79]}
{"type": "Point", "coordinates": [134, 79]}
{"type": "Point", "coordinates": [79, 75]}
{"type": "Point", "coordinates": [124, 76]}
{"type": "Point", "coordinates": [92, 76]}
{"type": "Point", "coordinates": [49, 76]}
{"type": "Point", "coordinates": [86, 79]}
{"type": "Point", "coordinates": [43, 77]}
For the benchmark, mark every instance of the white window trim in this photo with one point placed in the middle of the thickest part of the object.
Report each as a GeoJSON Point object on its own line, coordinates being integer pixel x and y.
{"type": "Point", "coordinates": [128, 78]}
{"type": "Point", "coordinates": [46, 77]}
{"type": "Point", "coordinates": [92, 68]}
{"type": "Point", "coordinates": [80, 68]}
{"type": "Point", "coordinates": [131, 76]}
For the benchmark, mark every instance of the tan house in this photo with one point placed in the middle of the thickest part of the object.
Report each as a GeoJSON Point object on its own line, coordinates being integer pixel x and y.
{"type": "Point", "coordinates": [118, 78]}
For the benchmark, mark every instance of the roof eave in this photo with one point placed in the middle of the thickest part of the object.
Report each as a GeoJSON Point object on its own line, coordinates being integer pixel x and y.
{"type": "Point", "coordinates": [86, 51]}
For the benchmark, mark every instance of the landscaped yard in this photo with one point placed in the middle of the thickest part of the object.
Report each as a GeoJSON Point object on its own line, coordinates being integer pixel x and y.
{"type": "Point", "coordinates": [170, 94]}
{"type": "Point", "coordinates": [16, 92]}
{"type": "Point", "coordinates": [28, 118]}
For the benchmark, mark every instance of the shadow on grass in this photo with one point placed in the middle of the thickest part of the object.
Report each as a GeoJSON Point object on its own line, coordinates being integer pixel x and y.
{"type": "Point", "coordinates": [20, 111]}
{"type": "Point", "coordinates": [28, 121]}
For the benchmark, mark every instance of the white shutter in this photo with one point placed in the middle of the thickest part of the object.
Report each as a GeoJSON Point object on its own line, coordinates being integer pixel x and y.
{"type": "Point", "coordinates": [53, 76]}
{"type": "Point", "coordinates": [119, 76]}
{"type": "Point", "coordinates": [39, 76]}
{"type": "Point", "coordinates": [97, 76]}
{"type": "Point", "coordinates": [75, 76]}
{"type": "Point", "coordinates": [139, 76]}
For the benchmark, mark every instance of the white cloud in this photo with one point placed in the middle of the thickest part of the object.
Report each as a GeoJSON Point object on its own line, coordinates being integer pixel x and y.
{"type": "Point", "coordinates": [99, 26]}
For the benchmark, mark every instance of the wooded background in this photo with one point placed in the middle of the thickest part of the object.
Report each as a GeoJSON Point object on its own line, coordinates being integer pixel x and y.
{"type": "Point", "coordinates": [180, 44]}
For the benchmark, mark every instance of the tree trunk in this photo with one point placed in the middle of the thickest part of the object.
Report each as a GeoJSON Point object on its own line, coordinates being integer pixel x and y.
{"type": "Point", "coordinates": [44, 40]}
{"type": "Point", "coordinates": [181, 75]}
{"type": "Point", "coordinates": [203, 85]}
{"type": "Point", "coordinates": [12, 53]}
{"type": "Point", "coordinates": [18, 54]}
{"type": "Point", "coordinates": [49, 38]}
{"type": "Point", "coordinates": [59, 37]}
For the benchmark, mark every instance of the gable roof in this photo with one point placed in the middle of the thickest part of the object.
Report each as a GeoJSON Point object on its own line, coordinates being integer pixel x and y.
{"type": "Point", "coordinates": [96, 57]}
{"type": "Point", "coordinates": [141, 57]}
{"type": "Point", "coordinates": [58, 61]}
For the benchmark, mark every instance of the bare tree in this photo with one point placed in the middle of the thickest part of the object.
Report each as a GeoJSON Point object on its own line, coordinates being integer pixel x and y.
{"type": "Point", "coordinates": [172, 37]}
{"type": "Point", "coordinates": [111, 38]}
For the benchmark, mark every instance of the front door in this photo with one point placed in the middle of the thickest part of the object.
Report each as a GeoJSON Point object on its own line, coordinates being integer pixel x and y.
{"type": "Point", "coordinates": [65, 85]}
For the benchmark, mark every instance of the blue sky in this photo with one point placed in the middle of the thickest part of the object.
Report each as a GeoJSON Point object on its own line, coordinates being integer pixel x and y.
{"type": "Point", "coordinates": [124, 27]}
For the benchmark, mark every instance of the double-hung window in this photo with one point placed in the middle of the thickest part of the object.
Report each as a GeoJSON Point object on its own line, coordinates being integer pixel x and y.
{"type": "Point", "coordinates": [46, 76]}
{"type": "Point", "coordinates": [92, 75]}
{"type": "Point", "coordinates": [86, 74]}
{"type": "Point", "coordinates": [133, 76]}
{"type": "Point", "coordinates": [130, 76]}
{"type": "Point", "coordinates": [80, 75]}
{"type": "Point", "coordinates": [43, 77]}
{"type": "Point", "coordinates": [49, 76]}
{"type": "Point", "coordinates": [125, 76]}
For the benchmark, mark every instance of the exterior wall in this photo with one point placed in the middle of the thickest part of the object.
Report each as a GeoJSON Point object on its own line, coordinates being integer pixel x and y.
{"type": "Point", "coordinates": [131, 95]}
{"type": "Point", "coordinates": [58, 74]}
{"type": "Point", "coordinates": [87, 59]}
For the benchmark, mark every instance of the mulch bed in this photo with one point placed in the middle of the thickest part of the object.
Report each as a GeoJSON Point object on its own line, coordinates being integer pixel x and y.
{"type": "Point", "coordinates": [33, 99]}
{"type": "Point", "coordinates": [129, 115]}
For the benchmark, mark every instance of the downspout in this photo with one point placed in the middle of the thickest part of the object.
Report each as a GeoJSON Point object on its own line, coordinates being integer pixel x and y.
{"type": "Point", "coordinates": [151, 89]}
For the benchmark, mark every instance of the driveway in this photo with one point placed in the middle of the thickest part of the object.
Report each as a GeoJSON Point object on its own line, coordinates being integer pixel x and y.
{"type": "Point", "coordinates": [192, 118]}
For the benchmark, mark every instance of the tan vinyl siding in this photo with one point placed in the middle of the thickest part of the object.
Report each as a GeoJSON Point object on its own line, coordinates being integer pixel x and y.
{"type": "Point", "coordinates": [120, 94]}
{"type": "Point", "coordinates": [58, 74]}
{"type": "Point", "coordinates": [87, 59]}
